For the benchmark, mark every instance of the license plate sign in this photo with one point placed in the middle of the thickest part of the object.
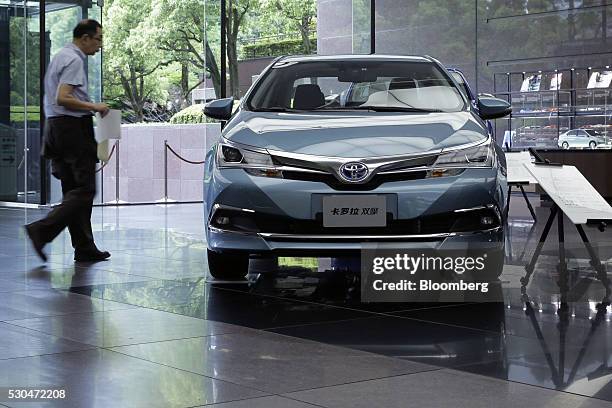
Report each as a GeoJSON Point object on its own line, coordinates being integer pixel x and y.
{"type": "Point", "coordinates": [354, 211]}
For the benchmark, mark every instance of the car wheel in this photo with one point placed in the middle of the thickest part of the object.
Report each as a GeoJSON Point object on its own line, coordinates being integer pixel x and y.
{"type": "Point", "coordinates": [228, 266]}
{"type": "Point", "coordinates": [592, 144]}
{"type": "Point", "coordinates": [565, 145]}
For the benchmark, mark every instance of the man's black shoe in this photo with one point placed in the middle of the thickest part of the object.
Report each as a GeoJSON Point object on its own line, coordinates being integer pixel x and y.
{"type": "Point", "coordinates": [91, 256]}
{"type": "Point", "coordinates": [37, 242]}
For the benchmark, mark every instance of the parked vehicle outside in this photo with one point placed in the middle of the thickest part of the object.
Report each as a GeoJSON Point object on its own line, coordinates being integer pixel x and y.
{"type": "Point", "coordinates": [581, 138]}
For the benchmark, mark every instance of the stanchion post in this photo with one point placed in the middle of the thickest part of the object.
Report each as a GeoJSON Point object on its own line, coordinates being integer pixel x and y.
{"type": "Point", "coordinates": [117, 172]}
{"type": "Point", "coordinates": [102, 185]}
{"type": "Point", "coordinates": [165, 199]}
{"type": "Point", "coordinates": [166, 170]}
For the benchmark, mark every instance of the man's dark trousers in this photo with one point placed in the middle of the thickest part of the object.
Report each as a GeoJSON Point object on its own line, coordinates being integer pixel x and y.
{"type": "Point", "coordinates": [71, 146]}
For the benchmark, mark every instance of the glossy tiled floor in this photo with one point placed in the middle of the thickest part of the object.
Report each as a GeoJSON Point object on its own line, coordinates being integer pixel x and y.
{"type": "Point", "coordinates": [149, 329]}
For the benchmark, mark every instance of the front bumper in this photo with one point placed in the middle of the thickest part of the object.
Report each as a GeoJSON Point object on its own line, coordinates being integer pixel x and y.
{"type": "Point", "coordinates": [328, 245]}
{"type": "Point", "coordinates": [294, 206]}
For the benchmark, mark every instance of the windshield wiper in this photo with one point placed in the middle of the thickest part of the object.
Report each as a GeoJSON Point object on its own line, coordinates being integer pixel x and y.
{"type": "Point", "coordinates": [275, 109]}
{"type": "Point", "coordinates": [395, 109]}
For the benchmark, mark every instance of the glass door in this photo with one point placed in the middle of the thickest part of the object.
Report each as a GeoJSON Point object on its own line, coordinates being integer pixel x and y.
{"type": "Point", "coordinates": [23, 174]}
{"type": "Point", "coordinates": [19, 102]}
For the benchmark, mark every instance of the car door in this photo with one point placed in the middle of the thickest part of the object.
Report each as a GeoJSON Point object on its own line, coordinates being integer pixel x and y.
{"type": "Point", "coordinates": [569, 138]}
{"type": "Point", "coordinates": [575, 139]}
{"type": "Point", "coordinates": [582, 138]}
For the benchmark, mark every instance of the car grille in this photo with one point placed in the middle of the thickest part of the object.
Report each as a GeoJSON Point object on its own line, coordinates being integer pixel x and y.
{"type": "Point", "coordinates": [402, 170]}
{"type": "Point", "coordinates": [336, 184]}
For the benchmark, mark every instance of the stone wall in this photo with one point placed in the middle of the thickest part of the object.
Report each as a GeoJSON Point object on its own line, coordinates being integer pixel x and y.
{"type": "Point", "coordinates": [141, 163]}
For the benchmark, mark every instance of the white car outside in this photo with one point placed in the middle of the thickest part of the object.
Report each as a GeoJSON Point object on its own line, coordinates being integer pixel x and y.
{"type": "Point", "coordinates": [581, 138]}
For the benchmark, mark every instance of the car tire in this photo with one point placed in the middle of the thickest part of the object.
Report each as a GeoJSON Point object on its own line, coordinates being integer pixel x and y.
{"type": "Point", "coordinates": [228, 266]}
{"type": "Point", "coordinates": [592, 144]}
{"type": "Point", "coordinates": [565, 145]}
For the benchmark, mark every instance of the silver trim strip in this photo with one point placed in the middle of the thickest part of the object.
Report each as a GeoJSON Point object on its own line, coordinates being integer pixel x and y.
{"type": "Point", "coordinates": [379, 237]}
{"type": "Point", "coordinates": [483, 207]}
{"type": "Point", "coordinates": [276, 168]}
{"type": "Point", "coordinates": [229, 207]}
{"type": "Point", "coordinates": [373, 161]}
{"type": "Point", "coordinates": [480, 207]}
{"type": "Point", "coordinates": [299, 237]}
{"type": "Point", "coordinates": [353, 237]}
{"type": "Point", "coordinates": [215, 229]}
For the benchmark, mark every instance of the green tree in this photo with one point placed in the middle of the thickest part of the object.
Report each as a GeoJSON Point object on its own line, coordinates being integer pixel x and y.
{"type": "Point", "coordinates": [24, 58]}
{"type": "Point", "coordinates": [301, 15]}
{"type": "Point", "coordinates": [178, 29]}
{"type": "Point", "coordinates": [130, 64]}
{"type": "Point", "coordinates": [236, 13]}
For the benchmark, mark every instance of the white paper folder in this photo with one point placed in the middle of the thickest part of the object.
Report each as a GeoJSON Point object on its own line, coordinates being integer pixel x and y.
{"type": "Point", "coordinates": [109, 126]}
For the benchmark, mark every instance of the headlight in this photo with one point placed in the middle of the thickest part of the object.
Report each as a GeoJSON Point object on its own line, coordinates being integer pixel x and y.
{"type": "Point", "coordinates": [478, 156]}
{"type": "Point", "coordinates": [256, 163]}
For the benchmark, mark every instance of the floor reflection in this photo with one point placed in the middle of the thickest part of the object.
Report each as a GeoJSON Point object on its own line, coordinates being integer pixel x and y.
{"type": "Point", "coordinates": [552, 330]}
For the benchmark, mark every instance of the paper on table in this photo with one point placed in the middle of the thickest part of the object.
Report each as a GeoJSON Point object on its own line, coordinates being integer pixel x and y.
{"type": "Point", "coordinates": [572, 192]}
{"type": "Point", "coordinates": [109, 126]}
{"type": "Point", "coordinates": [516, 163]}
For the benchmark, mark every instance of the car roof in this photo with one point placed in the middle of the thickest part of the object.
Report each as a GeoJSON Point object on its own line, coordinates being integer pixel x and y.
{"type": "Point", "coordinates": [353, 57]}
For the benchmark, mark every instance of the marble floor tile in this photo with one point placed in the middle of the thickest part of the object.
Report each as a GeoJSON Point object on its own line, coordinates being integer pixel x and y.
{"type": "Point", "coordinates": [39, 303]}
{"type": "Point", "coordinates": [441, 389]}
{"type": "Point", "coordinates": [271, 362]}
{"type": "Point", "coordinates": [17, 342]}
{"type": "Point", "coordinates": [196, 298]}
{"type": "Point", "coordinates": [423, 342]}
{"type": "Point", "coordinates": [264, 402]}
{"type": "Point", "coordinates": [101, 378]}
{"type": "Point", "coordinates": [122, 327]}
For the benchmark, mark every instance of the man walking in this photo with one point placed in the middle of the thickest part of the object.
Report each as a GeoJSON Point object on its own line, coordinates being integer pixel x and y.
{"type": "Point", "coordinates": [70, 145]}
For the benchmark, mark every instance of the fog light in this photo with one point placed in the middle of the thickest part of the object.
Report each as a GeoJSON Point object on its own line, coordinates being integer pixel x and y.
{"type": "Point", "coordinates": [222, 220]}
{"type": "Point", "coordinates": [487, 220]}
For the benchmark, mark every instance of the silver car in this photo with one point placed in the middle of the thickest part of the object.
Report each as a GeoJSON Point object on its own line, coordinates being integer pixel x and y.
{"type": "Point", "coordinates": [327, 152]}
{"type": "Point", "coordinates": [581, 138]}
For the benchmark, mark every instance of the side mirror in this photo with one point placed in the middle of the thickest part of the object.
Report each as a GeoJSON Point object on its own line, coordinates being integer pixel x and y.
{"type": "Point", "coordinates": [220, 109]}
{"type": "Point", "coordinates": [493, 108]}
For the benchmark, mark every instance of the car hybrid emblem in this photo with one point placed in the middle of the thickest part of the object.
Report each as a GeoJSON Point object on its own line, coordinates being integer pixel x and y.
{"type": "Point", "coordinates": [354, 172]}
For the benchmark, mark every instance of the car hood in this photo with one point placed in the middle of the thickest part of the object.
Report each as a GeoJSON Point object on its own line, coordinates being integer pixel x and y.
{"type": "Point", "coordinates": [355, 134]}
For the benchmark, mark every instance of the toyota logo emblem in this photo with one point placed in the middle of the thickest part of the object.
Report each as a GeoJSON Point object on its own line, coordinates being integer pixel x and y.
{"type": "Point", "coordinates": [354, 172]}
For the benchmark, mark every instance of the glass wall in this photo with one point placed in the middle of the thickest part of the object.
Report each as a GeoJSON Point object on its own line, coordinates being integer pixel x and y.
{"type": "Point", "coordinates": [362, 26]}
{"type": "Point", "coordinates": [23, 175]}
{"type": "Point", "coordinates": [551, 59]}
{"type": "Point", "coordinates": [19, 102]}
{"type": "Point", "coordinates": [212, 45]}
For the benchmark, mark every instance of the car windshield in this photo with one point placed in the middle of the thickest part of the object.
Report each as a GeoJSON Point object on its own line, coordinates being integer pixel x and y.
{"type": "Point", "coordinates": [390, 86]}
{"type": "Point", "coordinates": [593, 133]}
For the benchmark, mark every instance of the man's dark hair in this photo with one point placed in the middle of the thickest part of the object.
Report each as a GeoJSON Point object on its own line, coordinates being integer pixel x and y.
{"type": "Point", "coordinates": [89, 27]}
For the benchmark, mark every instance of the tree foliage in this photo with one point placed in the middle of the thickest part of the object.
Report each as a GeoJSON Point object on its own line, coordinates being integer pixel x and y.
{"type": "Point", "coordinates": [158, 51]}
{"type": "Point", "coordinates": [300, 14]}
{"type": "Point", "coordinates": [178, 29]}
{"type": "Point", "coordinates": [236, 14]}
{"type": "Point", "coordinates": [130, 64]}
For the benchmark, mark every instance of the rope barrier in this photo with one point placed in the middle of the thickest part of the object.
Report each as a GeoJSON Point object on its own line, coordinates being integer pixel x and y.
{"type": "Point", "coordinates": [182, 158]}
{"type": "Point", "coordinates": [108, 161]}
